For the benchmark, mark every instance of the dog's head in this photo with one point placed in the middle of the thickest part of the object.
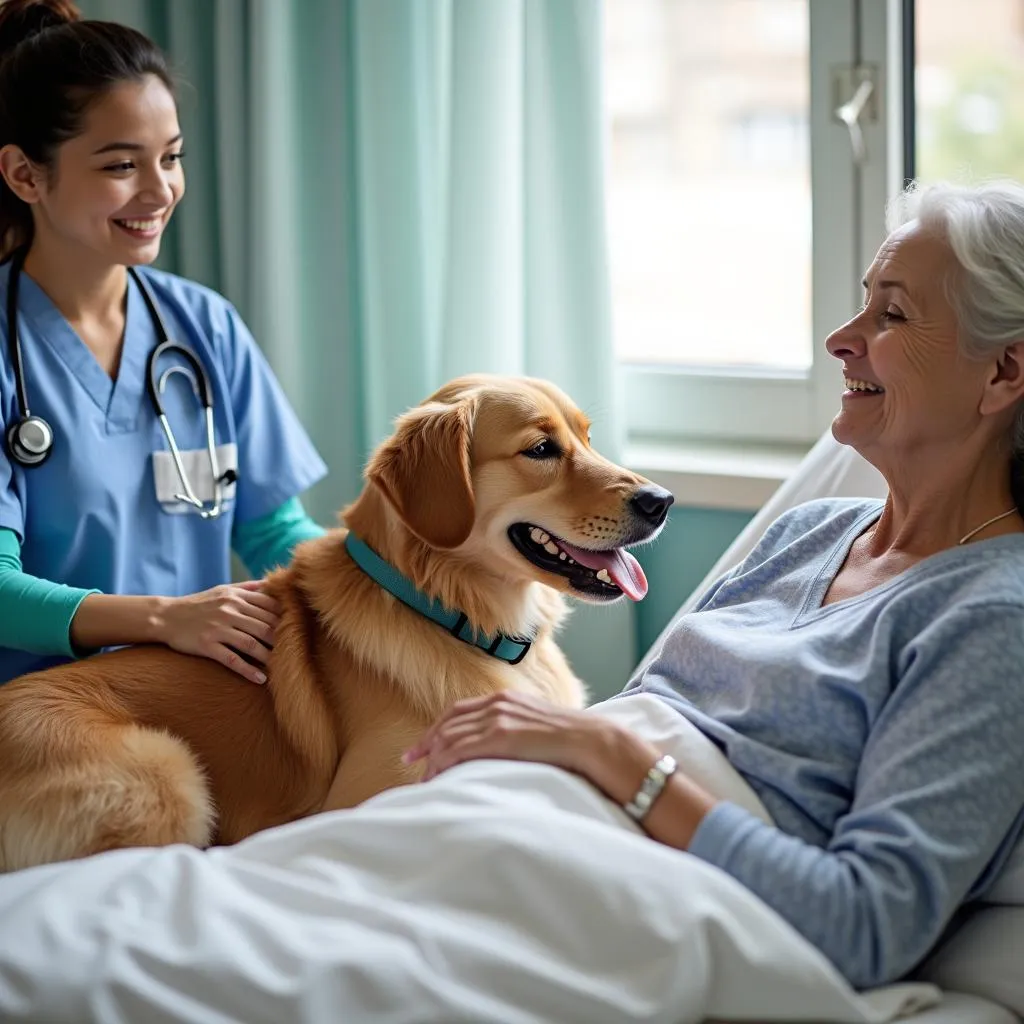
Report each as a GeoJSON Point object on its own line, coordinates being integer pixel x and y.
{"type": "Point", "coordinates": [499, 471]}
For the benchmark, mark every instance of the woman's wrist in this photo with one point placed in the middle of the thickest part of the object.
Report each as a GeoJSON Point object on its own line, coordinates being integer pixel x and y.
{"type": "Point", "coordinates": [617, 761]}
{"type": "Point", "coordinates": [109, 620]}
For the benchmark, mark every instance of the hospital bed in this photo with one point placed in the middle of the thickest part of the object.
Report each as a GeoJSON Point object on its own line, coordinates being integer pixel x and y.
{"type": "Point", "coordinates": [500, 891]}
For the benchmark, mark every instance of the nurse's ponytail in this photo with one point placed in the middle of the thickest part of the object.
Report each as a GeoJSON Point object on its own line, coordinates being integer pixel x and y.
{"type": "Point", "coordinates": [21, 19]}
{"type": "Point", "coordinates": [53, 65]}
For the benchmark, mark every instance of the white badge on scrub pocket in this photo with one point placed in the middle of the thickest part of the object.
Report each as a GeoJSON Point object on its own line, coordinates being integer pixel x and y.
{"type": "Point", "coordinates": [200, 476]}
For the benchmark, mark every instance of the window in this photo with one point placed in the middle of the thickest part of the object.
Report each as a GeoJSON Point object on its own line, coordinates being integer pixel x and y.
{"type": "Point", "coordinates": [710, 171]}
{"type": "Point", "coordinates": [969, 80]}
{"type": "Point", "coordinates": [740, 221]}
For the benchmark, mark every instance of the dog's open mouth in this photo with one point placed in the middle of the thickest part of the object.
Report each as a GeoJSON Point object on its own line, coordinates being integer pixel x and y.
{"type": "Point", "coordinates": [604, 575]}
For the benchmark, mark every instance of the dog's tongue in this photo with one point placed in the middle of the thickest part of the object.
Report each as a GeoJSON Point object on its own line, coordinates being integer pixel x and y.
{"type": "Point", "coordinates": [623, 568]}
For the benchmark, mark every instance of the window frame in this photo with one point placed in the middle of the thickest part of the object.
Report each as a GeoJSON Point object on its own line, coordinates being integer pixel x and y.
{"type": "Point", "coordinates": [680, 404]}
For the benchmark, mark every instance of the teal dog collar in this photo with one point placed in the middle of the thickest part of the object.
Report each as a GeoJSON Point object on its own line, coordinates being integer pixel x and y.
{"type": "Point", "coordinates": [510, 649]}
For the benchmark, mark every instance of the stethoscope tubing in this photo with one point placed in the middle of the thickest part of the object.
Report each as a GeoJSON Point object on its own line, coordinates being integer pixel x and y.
{"type": "Point", "coordinates": [195, 371]}
{"type": "Point", "coordinates": [12, 322]}
{"type": "Point", "coordinates": [155, 385]}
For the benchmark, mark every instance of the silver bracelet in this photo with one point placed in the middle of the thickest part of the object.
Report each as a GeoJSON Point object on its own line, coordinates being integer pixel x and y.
{"type": "Point", "coordinates": [650, 789]}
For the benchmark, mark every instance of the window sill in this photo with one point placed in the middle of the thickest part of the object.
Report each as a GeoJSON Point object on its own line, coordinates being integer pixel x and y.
{"type": "Point", "coordinates": [719, 475]}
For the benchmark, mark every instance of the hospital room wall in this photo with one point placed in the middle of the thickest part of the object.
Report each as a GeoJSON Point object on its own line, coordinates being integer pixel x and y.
{"type": "Point", "coordinates": [675, 564]}
{"type": "Point", "coordinates": [678, 560]}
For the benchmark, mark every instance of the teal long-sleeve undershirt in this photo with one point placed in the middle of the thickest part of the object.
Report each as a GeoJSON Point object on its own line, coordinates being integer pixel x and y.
{"type": "Point", "coordinates": [36, 614]}
{"type": "Point", "coordinates": [268, 542]}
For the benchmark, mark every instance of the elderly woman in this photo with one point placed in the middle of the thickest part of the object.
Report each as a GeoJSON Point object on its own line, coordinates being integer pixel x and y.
{"type": "Point", "coordinates": [861, 667]}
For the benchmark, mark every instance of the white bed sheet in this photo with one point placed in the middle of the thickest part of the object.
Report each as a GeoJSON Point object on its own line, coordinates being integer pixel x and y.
{"type": "Point", "coordinates": [341, 916]}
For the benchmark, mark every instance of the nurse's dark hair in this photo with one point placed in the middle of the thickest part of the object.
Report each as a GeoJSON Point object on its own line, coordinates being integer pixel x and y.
{"type": "Point", "coordinates": [53, 65]}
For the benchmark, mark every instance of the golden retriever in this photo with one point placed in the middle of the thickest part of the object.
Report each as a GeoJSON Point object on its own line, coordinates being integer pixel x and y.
{"type": "Point", "coordinates": [487, 497]}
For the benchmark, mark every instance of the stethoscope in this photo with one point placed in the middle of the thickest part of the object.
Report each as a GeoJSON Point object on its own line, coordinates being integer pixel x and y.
{"type": "Point", "coordinates": [30, 439]}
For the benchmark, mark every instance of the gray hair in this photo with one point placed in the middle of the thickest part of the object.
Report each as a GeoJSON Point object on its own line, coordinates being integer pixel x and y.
{"type": "Point", "coordinates": [984, 226]}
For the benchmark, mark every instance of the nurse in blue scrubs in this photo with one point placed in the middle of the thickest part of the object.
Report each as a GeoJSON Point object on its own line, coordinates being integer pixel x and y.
{"type": "Point", "coordinates": [96, 549]}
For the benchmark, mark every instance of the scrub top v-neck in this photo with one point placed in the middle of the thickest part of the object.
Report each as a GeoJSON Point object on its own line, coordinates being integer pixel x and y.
{"type": "Point", "coordinates": [118, 400]}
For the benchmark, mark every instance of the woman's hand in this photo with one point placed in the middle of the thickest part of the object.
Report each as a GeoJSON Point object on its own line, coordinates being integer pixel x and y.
{"type": "Point", "coordinates": [514, 726]}
{"type": "Point", "coordinates": [224, 623]}
{"type": "Point", "coordinates": [521, 728]}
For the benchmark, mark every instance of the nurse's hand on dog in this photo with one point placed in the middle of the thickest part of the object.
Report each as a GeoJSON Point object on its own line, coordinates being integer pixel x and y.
{"type": "Point", "coordinates": [224, 623]}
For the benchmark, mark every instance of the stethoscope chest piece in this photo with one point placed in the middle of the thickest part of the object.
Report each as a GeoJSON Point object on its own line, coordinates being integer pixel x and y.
{"type": "Point", "coordinates": [29, 438]}
{"type": "Point", "coordinates": [30, 441]}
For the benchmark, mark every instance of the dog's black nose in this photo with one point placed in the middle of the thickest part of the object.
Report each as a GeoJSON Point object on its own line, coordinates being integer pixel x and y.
{"type": "Point", "coordinates": [652, 503]}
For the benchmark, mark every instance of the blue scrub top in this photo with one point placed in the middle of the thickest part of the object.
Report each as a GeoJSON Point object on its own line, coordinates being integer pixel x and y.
{"type": "Point", "coordinates": [89, 516]}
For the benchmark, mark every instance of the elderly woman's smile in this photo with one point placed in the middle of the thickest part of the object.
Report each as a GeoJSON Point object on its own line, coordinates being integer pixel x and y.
{"type": "Point", "coordinates": [856, 388]}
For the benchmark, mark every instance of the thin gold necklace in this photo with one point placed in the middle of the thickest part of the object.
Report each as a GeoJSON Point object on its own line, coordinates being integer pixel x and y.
{"type": "Point", "coordinates": [988, 522]}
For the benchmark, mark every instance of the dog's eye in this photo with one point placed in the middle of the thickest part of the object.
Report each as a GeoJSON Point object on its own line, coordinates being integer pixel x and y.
{"type": "Point", "coordinates": [546, 449]}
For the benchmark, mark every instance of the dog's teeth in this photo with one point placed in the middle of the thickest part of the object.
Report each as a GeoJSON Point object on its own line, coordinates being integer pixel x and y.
{"type": "Point", "coordinates": [562, 555]}
{"type": "Point", "coordinates": [544, 537]}
{"type": "Point", "coordinates": [551, 548]}
{"type": "Point", "coordinates": [537, 535]}
{"type": "Point", "coordinates": [572, 561]}
{"type": "Point", "coordinates": [603, 576]}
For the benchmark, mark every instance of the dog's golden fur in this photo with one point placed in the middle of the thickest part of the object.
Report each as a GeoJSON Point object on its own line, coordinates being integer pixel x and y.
{"type": "Point", "coordinates": [145, 746]}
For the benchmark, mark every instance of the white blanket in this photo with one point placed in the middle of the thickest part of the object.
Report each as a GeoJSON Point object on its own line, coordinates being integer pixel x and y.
{"type": "Point", "coordinates": [499, 892]}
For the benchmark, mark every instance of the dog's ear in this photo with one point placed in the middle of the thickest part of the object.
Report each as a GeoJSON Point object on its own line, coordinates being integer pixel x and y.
{"type": "Point", "coordinates": [424, 472]}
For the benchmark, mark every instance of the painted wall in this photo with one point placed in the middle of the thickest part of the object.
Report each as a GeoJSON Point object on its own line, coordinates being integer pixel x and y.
{"type": "Point", "coordinates": [677, 561]}
{"type": "Point", "coordinates": [674, 564]}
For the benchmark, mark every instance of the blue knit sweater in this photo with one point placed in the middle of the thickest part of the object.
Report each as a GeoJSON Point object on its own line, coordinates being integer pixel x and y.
{"type": "Point", "coordinates": [884, 733]}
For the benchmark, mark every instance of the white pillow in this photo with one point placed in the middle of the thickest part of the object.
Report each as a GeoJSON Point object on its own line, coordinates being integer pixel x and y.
{"type": "Point", "coordinates": [1008, 888]}
{"type": "Point", "coordinates": [983, 957]}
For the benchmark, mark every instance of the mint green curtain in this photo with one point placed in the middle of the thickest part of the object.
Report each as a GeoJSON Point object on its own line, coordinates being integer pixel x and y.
{"type": "Point", "coordinates": [395, 192]}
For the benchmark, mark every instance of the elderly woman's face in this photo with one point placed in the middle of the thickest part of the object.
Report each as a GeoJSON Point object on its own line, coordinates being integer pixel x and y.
{"type": "Point", "coordinates": [908, 387]}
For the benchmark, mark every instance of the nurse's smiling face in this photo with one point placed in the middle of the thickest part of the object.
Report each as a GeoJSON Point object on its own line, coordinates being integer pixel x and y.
{"type": "Point", "coordinates": [115, 185]}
